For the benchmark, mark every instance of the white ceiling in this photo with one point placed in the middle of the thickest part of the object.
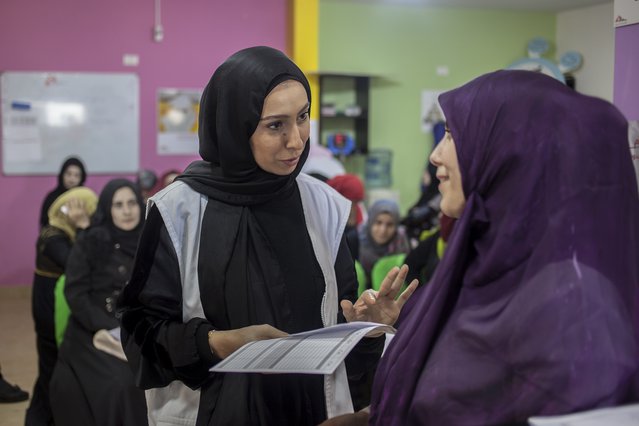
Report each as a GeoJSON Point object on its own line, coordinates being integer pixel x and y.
{"type": "Point", "coordinates": [532, 5]}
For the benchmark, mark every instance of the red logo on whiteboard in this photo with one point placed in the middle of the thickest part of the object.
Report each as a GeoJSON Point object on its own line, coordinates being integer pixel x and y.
{"type": "Point", "coordinates": [51, 79]}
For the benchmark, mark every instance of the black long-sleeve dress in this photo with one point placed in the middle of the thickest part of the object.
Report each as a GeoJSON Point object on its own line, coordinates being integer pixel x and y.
{"type": "Point", "coordinates": [153, 327]}
{"type": "Point", "coordinates": [52, 250]}
{"type": "Point", "coordinates": [91, 387]}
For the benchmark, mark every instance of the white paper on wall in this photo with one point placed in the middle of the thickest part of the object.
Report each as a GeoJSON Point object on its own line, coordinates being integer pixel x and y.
{"type": "Point", "coordinates": [626, 12]}
{"type": "Point", "coordinates": [431, 111]}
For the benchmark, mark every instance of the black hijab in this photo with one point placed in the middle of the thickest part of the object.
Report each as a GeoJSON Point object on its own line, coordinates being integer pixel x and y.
{"type": "Point", "coordinates": [60, 188]}
{"type": "Point", "coordinates": [233, 247]}
{"type": "Point", "coordinates": [104, 231]}
{"type": "Point", "coordinates": [230, 109]}
{"type": "Point", "coordinates": [71, 161]}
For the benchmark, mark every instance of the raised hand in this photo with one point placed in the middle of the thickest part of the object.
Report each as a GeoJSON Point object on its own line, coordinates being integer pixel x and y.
{"type": "Point", "coordinates": [381, 306]}
{"type": "Point", "coordinates": [77, 213]}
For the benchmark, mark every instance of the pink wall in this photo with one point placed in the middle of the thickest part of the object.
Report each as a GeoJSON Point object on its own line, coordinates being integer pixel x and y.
{"type": "Point", "coordinates": [81, 35]}
{"type": "Point", "coordinates": [626, 83]}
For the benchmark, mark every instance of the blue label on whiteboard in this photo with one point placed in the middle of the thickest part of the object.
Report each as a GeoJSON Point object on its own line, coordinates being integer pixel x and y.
{"type": "Point", "coordinates": [22, 106]}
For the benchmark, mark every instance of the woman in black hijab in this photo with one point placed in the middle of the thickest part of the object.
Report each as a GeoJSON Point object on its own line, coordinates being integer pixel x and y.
{"type": "Point", "coordinates": [72, 174]}
{"type": "Point", "coordinates": [243, 247]}
{"type": "Point", "coordinates": [89, 386]}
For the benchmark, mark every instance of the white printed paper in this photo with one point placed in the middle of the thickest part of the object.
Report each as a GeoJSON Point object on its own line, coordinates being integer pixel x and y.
{"type": "Point", "coordinates": [312, 352]}
{"type": "Point", "coordinates": [626, 12]}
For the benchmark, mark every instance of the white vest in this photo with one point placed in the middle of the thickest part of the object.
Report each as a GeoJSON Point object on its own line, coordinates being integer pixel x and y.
{"type": "Point", "coordinates": [182, 210]}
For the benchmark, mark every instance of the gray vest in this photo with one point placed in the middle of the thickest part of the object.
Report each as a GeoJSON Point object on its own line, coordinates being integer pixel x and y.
{"type": "Point", "coordinates": [182, 209]}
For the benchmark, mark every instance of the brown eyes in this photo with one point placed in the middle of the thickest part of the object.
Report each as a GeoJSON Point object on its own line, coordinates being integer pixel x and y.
{"type": "Point", "coordinates": [120, 204]}
{"type": "Point", "coordinates": [275, 125]}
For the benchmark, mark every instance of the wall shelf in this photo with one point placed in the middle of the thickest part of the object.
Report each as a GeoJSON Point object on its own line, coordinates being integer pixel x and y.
{"type": "Point", "coordinates": [341, 91]}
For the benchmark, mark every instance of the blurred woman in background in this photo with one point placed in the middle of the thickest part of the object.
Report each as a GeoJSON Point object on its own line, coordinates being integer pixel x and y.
{"type": "Point", "coordinates": [68, 214]}
{"type": "Point", "coordinates": [72, 174]}
{"type": "Point", "coordinates": [381, 235]}
{"type": "Point", "coordinates": [89, 386]}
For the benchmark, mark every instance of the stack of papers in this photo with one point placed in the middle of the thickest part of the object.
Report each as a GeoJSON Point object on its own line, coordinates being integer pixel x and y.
{"type": "Point", "coordinates": [313, 352]}
{"type": "Point", "coordinates": [625, 415]}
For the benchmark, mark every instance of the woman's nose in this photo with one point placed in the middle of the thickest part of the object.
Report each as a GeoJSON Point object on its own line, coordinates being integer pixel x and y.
{"type": "Point", "coordinates": [434, 157]}
{"type": "Point", "coordinates": [294, 139]}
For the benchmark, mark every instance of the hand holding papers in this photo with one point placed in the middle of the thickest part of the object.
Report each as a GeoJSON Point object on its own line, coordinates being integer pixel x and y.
{"type": "Point", "coordinates": [312, 352]}
{"type": "Point", "coordinates": [224, 342]}
{"type": "Point", "coordinates": [321, 351]}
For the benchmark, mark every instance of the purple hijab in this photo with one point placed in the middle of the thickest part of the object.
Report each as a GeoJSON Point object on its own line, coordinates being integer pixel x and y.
{"type": "Point", "coordinates": [534, 308]}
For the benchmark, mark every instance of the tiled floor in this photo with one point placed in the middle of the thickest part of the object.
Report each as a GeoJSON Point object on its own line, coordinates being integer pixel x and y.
{"type": "Point", "coordinates": [17, 349]}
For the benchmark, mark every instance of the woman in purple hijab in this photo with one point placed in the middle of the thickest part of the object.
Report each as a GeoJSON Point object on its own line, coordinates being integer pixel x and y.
{"type": "Point", "coordinates": [534, 307]}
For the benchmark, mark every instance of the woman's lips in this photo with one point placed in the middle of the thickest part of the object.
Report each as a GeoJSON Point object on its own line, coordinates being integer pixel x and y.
{"type": "Point", "coordinates": [291, 162]}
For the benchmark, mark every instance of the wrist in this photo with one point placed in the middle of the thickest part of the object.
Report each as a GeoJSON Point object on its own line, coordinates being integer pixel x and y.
{"type": "Point", "coordinates": [218, 343]}
{"type": "Point", "coordinates": [211, 343]}
{"type": "Point", "coordinates": [203, 346]}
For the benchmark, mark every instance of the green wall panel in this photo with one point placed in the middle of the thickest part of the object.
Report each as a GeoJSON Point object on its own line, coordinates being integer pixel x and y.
{"type": "Point", "coordinates": [404, 45]}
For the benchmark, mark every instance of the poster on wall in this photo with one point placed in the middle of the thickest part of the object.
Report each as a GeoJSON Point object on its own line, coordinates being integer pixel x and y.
{"type": "Point", "coordinates": [431, 111]}
{"type": "Point", "coordinates": [178, 110]}
{"type": "Point", "coordinates": [626, 12]}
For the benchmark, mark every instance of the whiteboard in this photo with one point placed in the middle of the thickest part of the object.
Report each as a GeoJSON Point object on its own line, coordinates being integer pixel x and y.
{"type": "Point", "coordinates": [49, 116]}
